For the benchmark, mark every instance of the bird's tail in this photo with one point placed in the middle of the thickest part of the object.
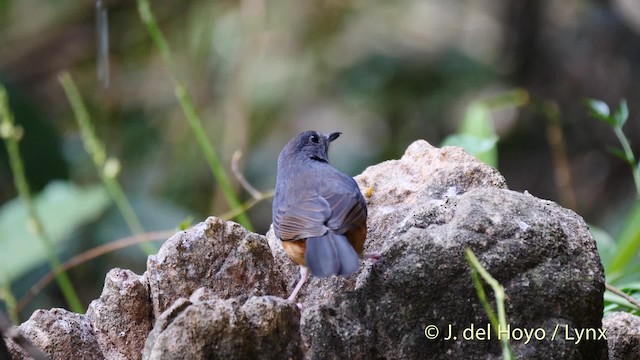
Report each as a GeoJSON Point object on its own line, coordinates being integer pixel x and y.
{"type": "Point", "coordinates": [331, 254]}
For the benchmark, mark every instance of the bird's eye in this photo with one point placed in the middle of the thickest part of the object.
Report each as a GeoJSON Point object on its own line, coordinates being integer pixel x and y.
{"type": "Point", "coordinates": [314, 139]}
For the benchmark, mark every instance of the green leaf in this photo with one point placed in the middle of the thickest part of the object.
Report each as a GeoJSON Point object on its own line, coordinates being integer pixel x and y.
{"type": "Point", "coordinates": [62, 206]}
{"type": "Point", "coordinates": [476, 134]}
{"type": "Point", "coordinates": [600, 110]}
{"type": "Point", "coordinates": [617, 299]}
{"type": "Point", "coordinates": [605, 243]}
{"type": "Point", "coordinates": [477, 121]}
{"type": "Point", "coordinates": [630, 287]}
{"type": "Point", "coordinates": [186, 223]}
{"type": "Point", "coordinates": [611, 307]}
{"type": "Point", "coordinates": [472, 144]}
{"type": "Point", "coordinates": [622, 114]}
{"type": "Point", "coordinates": [628, 245]}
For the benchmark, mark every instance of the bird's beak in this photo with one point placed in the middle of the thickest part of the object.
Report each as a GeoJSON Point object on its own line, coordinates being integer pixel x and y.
{"type": "Point", "coordinates": [333, 136]}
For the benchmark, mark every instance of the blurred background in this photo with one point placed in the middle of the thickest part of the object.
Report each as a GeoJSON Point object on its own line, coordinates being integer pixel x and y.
{"type": "Point", "coordinates": [259, 72]}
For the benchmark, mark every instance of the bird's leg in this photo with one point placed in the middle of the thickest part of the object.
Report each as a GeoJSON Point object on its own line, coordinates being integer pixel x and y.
{"type": "Point", "coordinates": [304, 276]}
{"type": "Point", "coordinates": [373, 256]}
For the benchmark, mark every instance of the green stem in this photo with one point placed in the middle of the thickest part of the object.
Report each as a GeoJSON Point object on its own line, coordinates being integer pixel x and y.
{"type": "Point", "coordinates": [96, 150]}
{"type": "Point", "coordinates": [11, 135]}
{"type": "Point", "coordinates": [212, 158]}
{"type": "Point", "coordinates": [191, 114]}
{"type": "Point", "coordinates": [498, 291]}
{"type": "Point", "coordinates": [9, 299]}
{"type": "Point", "coordinates": [124, 206]}
{"type": "Point", "coordinates": [482, 296]}
{"type": "Point", "coordinates": [156, 34]}
{"type": "Point", "coordinates": [629, 155]}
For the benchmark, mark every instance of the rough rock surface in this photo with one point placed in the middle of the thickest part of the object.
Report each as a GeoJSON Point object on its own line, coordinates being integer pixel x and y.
{"type": "Point", "coordinates": [121, 317]}
{"type": "Point", "coordinates": [205, 326]}
{"type": "Point", "coordinates": [623, 335]}
{"type": "Point", "coordinates": [214, 291]}
{"type": "Point", "coordinates": [60, 334]}
{"type": "Point", "coordinates": [222, 256]}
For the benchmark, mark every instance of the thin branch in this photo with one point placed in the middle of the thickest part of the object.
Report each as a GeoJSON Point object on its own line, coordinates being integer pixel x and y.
{"type": "Point", "coordinates": [88, 255]}
{"type": "Point", "coordinates": [247, 205]}
{"type": "Point", "coordinates": [622, 294]}
{"type": "Point", "coordinates": [240, 177]}
{"type": "Point", "coordinates": [121, 244]}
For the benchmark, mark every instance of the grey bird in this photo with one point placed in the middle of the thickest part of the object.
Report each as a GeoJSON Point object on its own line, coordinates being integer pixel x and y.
{"type": "Point", "coordinates": [319, 213]}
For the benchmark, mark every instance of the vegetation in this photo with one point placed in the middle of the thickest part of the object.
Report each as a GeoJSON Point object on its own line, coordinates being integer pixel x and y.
{"type": "Point", "coordinates": [619, 257]}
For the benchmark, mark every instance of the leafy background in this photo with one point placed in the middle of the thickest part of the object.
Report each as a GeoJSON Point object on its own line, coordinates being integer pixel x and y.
{"type": "Point", "coordinates": [506, 79]}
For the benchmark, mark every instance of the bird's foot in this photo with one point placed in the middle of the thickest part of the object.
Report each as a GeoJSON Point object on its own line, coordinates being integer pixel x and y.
{"type": "Point", "coordinates": [304, 276]}
{"type": "Point", "coordinates": [374, 257]}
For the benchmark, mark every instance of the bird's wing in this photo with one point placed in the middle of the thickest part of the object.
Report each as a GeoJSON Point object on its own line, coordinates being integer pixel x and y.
{"type": "Point", "coordinates": [348, 208]}
{"type": "Point", "coordinates": [302, 219]}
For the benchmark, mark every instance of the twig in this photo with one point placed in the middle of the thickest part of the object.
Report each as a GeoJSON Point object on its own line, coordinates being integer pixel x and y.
{"type": "Point", "coordinates": [88, 255]}
{"type": "Point", "coordinates": [622, 294]}
{"type": "Point", "coordinates": [14, 334]}
{"type": "Point", "coordinates": [247, 205]}
{"type": "Point", "coordinates": [240, 177]}
{"type": "Point", "coordinates": [117, 245]}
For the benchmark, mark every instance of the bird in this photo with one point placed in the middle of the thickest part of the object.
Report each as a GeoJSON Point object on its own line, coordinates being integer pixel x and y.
{"type": "Point", "coordinates": [319, 214]}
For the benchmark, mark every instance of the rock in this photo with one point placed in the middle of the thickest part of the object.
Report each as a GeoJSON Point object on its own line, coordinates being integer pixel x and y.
{"type": "Point", "coordinates": [623, 335]}
{"type": "Point", "coordinates": [219, 255]}
{"type": "Point", "coordinates": [424, 210]}
{"type": "Point", "coordinates": [424, 176]}
{"type": "Point", "coordinates": [215, 290]}
{"type": "Point", "coordinates": [122, 316]}
{"type": "Point", "coordinates": [207, 327]}
{"type": "Point", "coordinates": [60, 334]}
